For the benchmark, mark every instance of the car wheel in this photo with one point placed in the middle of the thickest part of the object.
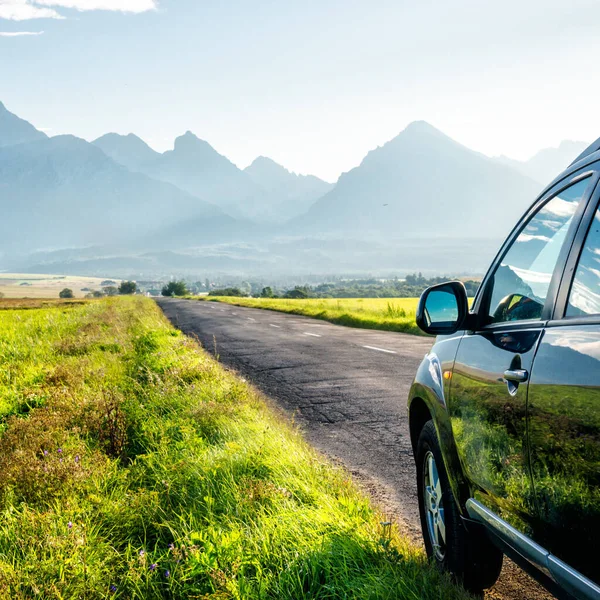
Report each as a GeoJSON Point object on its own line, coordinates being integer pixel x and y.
{"type": "Point", "coordinates": [469, 555]}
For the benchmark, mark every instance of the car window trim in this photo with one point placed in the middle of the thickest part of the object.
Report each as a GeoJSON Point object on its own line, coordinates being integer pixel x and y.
{"type": "Point", "coordinates": [570, 268]}
{"type": "Point", "coordinates": [482, 298]}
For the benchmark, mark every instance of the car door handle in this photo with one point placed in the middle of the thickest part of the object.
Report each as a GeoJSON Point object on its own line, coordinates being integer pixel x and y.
{"type": "Point", "coordinates": [516, 375]}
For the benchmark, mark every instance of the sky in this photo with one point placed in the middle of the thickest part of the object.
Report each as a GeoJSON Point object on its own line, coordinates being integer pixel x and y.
{"type": "Point", "coordinates": [313, 84]}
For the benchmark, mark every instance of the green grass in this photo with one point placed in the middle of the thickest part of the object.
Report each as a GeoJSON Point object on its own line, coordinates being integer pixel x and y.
{"type": "Point", "coordinates": [132, 465]}
{"type": "Point", "coordinates": [392, 314]}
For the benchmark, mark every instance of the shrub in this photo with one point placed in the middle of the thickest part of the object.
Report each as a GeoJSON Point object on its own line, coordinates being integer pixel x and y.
{"type": "Point", "coordinates": [66, 293]}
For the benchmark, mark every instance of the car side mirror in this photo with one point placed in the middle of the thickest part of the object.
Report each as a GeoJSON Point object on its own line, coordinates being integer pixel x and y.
{"type": "Point", "coordinates": [443, 308]}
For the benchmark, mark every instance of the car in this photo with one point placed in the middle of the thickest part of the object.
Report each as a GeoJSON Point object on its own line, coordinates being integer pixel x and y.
{"type": "Point", "coordinates": [504, 411]}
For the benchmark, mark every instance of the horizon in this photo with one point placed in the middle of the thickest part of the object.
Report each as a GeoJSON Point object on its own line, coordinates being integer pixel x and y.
{"type": "Point", "coordinates": [313, 85]}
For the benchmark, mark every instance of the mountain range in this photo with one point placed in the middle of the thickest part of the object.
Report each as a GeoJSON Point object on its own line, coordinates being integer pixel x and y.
{"type": "Point", "coordinates": [264, 192]}
{"type": "Point", "coordinates": [116, 207]}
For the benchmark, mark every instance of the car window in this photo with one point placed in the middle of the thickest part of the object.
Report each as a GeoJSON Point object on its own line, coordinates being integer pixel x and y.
{"type": "Point", "coordinates": [584, 298]}
{"type": "Point", "coordinates": [521, 282]}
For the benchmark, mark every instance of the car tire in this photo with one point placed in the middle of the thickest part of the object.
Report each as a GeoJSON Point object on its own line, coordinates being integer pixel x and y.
{"type": "Point", "coordinates": [469, 555]}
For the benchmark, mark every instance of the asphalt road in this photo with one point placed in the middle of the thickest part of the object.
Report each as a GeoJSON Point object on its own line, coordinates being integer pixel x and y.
{"type": "Point", "coordinates": [347, 388]}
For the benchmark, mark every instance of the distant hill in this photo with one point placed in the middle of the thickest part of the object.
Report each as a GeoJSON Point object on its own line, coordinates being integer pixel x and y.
{"type": "Point", "coordinates": [14, 130]}
{"type": "Point", "coordinates": [546, 164]}
{"type": "Point", "coordinates": [289, 194]}
{"type": "Point", "coordinates": [128, 150]}
{"type": "Point", "coordinates": [422, 184]}
{"type": "Point", "coordinates": [63, 192]}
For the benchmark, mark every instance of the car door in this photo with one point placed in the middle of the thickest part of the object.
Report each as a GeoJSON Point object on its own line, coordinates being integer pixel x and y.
{"type": "Point", "coordinates": [564, 413]}
{"type": "Point", "coordinates": [488, 392]}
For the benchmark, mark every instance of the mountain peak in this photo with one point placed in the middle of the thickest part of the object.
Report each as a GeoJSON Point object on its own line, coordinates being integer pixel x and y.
{"type": "Point", "coordinates": [422, 126]}
{"type": "Point", "coordinates": [190, 141]}
{"type": "Point", "coordinates": [264, 160]}
{"type": "Point", "coordinates": [422, 129]}
{"type": "Point", "coordinates": [264, 164]}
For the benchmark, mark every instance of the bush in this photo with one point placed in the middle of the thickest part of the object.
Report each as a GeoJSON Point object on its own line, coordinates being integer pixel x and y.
{"type": "Point", "coordinates": [66, 293]}
{"type": "Point", "coordinates": [267, 292]}
{"type": "Point", "coordinates": [127, 287]}
{"type": "Point", "coordinates": [175, 288]}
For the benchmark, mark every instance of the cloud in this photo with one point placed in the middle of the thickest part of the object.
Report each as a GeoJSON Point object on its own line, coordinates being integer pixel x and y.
{"type": "Point", "coordinates": [126, 6]}
{"type": "Point", "coordinates": [19, 33]}
{"type": "Point", "coordinates": [23, 10]}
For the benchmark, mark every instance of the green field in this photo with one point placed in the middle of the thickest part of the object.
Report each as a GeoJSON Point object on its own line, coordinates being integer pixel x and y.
{"type": "Point", "coordinates": [393, 314]}
{"type": "Point", "coordinates": [132, 465]}
{"type": "Point", "coordinates": [29, 285]}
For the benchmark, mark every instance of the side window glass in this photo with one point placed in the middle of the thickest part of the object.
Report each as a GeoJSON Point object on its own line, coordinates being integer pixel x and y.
{"type": "Point", "coordinates": [584, 298]}
{"type": "Point", "coordinates": [521, 282]}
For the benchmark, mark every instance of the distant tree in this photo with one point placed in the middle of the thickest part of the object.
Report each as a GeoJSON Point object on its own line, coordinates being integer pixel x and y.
{"type": "Point", "coordinates": [66, 293]}
{"type": "Point", "coordinates": [267, 292]}
{"type": "Point", "coordinates": [127, 288]}
{"type": "Point", "coordinates": [1, 294]}
{"type": "Point", "coordinates": [97, 294]}
{"type": "Point", "coordinates": [108, 282]}
{"type": "Point", "coordinates": [207, 284]}
{"type": "Point", "coordinates": [110, 290]}
{"type": "Point", "coordinates": [175, 288]}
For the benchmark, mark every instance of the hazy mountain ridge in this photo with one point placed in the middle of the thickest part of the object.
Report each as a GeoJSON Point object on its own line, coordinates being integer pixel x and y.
{"type": "Point", "coordinates": [422, 183]}
{"type": "Point", "coordinates": [65, 192]}
{"type": "Point", "coordinates": [290, 194]}
{"type": "Point", "coordinates": [127, 150]}
{"type": "Point", "coordinates": [546, 164]}
{"type": "Point", "coordinates": [421, 200]}
{"type": "Point", "coordinates": [196, 167]}
{"type": "Point", "coordinates": [264, 192]}
{"type": "Point", "coordinates": [14, 130]}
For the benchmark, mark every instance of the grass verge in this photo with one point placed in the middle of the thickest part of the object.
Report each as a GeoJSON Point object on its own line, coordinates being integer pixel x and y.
{"type": "Point", "coordinates": [391, 314]}
{"type": "Point", "coordinates": [133, 465]}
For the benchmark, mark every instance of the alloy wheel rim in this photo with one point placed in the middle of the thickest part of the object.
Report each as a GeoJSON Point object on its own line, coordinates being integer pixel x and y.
{"type": "Point", "coordinates": [434, 506]}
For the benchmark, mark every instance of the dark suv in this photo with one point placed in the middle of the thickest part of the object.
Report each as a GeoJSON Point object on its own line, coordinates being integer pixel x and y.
{"type": "Point", "coordinates": [505, 408]}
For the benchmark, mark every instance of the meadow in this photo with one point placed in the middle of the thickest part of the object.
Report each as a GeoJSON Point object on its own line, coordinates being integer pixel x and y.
{"type": "Point", "coordinates": [132, 465]}
{"type": "Point", "coordinates": [393, 314]}
{"type": "Point", "coordinates": [29, 285]}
